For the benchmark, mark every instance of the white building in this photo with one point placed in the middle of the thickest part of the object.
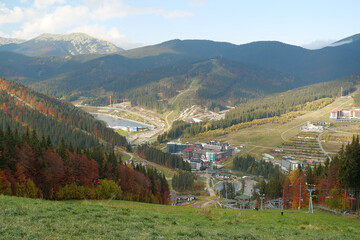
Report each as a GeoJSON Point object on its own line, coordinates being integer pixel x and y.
{"type": "Point", "coordinates": [311, 128]}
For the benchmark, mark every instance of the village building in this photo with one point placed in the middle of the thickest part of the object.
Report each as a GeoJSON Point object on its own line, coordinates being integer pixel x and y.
{"type": "Point", "coordinates": [173, 147]}
{"type": "Point", "coordinates": [192, 120]}
{"type": "Point", "coordinates": [345, 114]}
{"type": "Point", "coordinates": [202, 155]}
{"type": "Point", "coordinates": [309, 127]}
{"type": "Point", "coordinates": [289, 163]}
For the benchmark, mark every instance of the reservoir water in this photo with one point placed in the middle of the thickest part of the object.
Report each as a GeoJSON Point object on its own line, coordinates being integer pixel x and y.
{"type": "Point", "coordinates": [219, 186]}
{"type": "Point", "coordinates": [114, 122]}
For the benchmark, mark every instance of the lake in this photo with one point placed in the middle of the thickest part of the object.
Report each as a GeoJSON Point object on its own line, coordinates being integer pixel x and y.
{"type": "Point", "coordinates": [220, 186]}
{"type": "Point", "coordinates": [115, 122]}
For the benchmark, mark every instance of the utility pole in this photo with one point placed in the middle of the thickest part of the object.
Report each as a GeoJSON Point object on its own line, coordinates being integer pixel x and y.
{"type": "Point", "coordinates": [225, 190]}
{"type": "Point", "coordinates": [310, 188]}
{"type": "Point", "coordinates": [262, 197]}
{"type": "Point", "coordinates": [345, 201]}
{"type": "Point", "coordinates": [300, 198]}
{"type": "Point", "coordinates": [350, 202]}
{"type": "Point", "coordinates": [341, 94]}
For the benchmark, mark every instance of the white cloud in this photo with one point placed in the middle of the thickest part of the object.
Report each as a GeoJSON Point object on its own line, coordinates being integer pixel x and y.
{"type": "Point", "coordinates": [10, 15]}
{"type": "Point", "coordinates": [109, 9]}
{"type": "Point", "coordinates": [197, 3]}
{"type": "Point", "coordinates": [112, 35]}
{"type": "Point", "coordinates": [317, 44]}
{"type": "Point", "coordinates": [61, 16]}
{"type": "Point", "coordinates": [42, 4]}
{"type": "Point", "coordinates": [59, 20]}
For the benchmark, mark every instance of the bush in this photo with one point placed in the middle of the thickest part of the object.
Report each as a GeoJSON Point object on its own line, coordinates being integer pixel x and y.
{"type": "Point", "coordinates": [335, 201]}
{"type": "Point", "coordinates": [108, 189]}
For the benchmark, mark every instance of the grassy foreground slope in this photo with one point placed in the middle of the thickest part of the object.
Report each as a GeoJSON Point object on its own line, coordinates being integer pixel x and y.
{"type": "Point", "coordinates": [22, 218]}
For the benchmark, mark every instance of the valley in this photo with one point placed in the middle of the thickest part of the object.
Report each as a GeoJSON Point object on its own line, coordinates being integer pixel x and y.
{"type": "Point", "coordinates": [191, 119]}
{"type": "Point", "coordinates": [218, 130]}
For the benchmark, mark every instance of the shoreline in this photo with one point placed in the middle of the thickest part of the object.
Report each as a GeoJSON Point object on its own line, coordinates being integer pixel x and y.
{"type": "Point", "coordinates": [119, 127]}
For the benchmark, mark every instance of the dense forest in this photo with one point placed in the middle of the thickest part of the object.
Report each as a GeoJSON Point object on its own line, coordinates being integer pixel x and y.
{"type": "Point", "coordinates": [166, 159]}
{"type": "Point", "coordinates": [228, 191]}
{"type": "Point", "coordinates": [250, 165]}
{"type": "Point", "coordinates": [21, 107]}
{"type": "Point", "coordinates": [267, 107]}
{"type": "Point", "coordinates": [334, 181]}
{"type": "Point", "coordinates": [33, 167]}
{"type": "Point", "coordinates": [273, 186]}
{"type": "Point", "coordinates": [183, 180]}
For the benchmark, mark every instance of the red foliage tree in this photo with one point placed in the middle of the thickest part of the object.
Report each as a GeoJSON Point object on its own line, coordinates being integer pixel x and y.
{"type": "Point", "coordinates": [54, 173]}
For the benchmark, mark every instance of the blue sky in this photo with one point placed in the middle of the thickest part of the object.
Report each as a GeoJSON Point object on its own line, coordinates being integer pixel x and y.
{"type": "Point", "coordinates": [136, 23]}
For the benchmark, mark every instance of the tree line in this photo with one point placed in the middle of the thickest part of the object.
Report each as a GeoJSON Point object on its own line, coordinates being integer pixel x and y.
{"type": "Point", "coordinates": [267, 107]}
{"type": "Point", "coordinates": [273, 187]}
{"type": "Point", "coordinates": [183, 180]}
{"type": "Point", "coordinates": [334, 181]}
{"type": "Point", "coordinates": [166, 159]}
{"type": "Point", "coordinates": [33, 167]}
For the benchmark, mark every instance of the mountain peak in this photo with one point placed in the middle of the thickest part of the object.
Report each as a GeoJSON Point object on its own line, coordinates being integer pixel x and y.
{"type": "Point", "coordinates": [65, 44]}
{"type": "Point", "coordinates": [65, 37]}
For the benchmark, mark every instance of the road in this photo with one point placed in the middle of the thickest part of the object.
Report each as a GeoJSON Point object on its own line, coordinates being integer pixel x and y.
{"type": "Point", "coordinates": [140, 137]}
{"type": "Point", "coordinates": [210, 190]}
{"type": "Point", "coordinates": [321, 147]}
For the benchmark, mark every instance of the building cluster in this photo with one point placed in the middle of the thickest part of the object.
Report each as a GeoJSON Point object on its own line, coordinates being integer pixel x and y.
{"type": "Point", "coordinates": [310, 127]}
{"type": "Point", "coordinates": [345, 114]}
{"type": "Point", "coordinates": [192, 120]}
{"type": "Point", "coordinates": [177, 200]}
{"type": "Point", "coordinates": [287, 163]}
{"type": "Point", "coordinates": [202, 155]}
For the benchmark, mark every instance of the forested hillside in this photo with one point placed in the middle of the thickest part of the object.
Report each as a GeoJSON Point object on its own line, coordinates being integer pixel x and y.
{"type": "Point", "coordinates": [228, 74]}
{"type": "Point", "coordinates": [270, 106]}
{"type": "Point", "coordinates": [33, 167]}
{"type": "Point", "coordinates": [334, 180]}
{"type": "Point", "coordinates": [21, 107]}
{"type": "Point", "coordinates": [169, 160]}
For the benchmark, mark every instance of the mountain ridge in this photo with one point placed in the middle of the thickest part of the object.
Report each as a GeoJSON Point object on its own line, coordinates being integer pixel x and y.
{"type": "Point", "coordinates": [62, 45]}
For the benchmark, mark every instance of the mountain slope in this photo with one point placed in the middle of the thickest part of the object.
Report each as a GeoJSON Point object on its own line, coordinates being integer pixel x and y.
{"type": "Point", "coordinates": [218, 80]}
{"type": "Point", "coordinates": [64, 76]}
{"type": "Point", "coordinates": [307, 66]}
{"type": "Point", "coordinates": [62, 45]}
{"type": "Point", "coordinates": [351, 39]}
{"type": "Point", "coordinates": [21, 107]}
{"type": "Point", "coordinates": [4, 41]}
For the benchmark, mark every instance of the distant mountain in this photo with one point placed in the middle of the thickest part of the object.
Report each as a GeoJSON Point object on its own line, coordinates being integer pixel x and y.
{"type": "Point", "coordinates": [307, 66]}
{"type": "Point", "coordinates": [219, 80]}
{"type": "Point", "coordinates": [351, 39]}
{"type": "Point", "coordinates": [4, 41]}
{"type": "Point", "coordinates": [61, 45]}
{"type": "Point", "coordinates": [258, 67]}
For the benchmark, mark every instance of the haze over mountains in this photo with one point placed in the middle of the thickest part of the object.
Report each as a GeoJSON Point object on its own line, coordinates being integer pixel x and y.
{"type": "Point", "coordinates": [224, 70]}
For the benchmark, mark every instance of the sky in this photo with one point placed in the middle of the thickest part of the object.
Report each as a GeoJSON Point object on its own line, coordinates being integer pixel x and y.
{"type": "Point", "coordinates": [135, 23]}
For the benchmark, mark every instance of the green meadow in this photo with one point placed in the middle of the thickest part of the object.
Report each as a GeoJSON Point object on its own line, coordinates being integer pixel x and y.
{"type": "Point", "coordinates": [22, 218]}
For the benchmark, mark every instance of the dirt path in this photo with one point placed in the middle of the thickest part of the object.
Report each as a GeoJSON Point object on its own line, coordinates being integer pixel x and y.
{"type": "Point", "coordinates": [183, 92]}
{"type": "Point", "coordinates": [167, 121]}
